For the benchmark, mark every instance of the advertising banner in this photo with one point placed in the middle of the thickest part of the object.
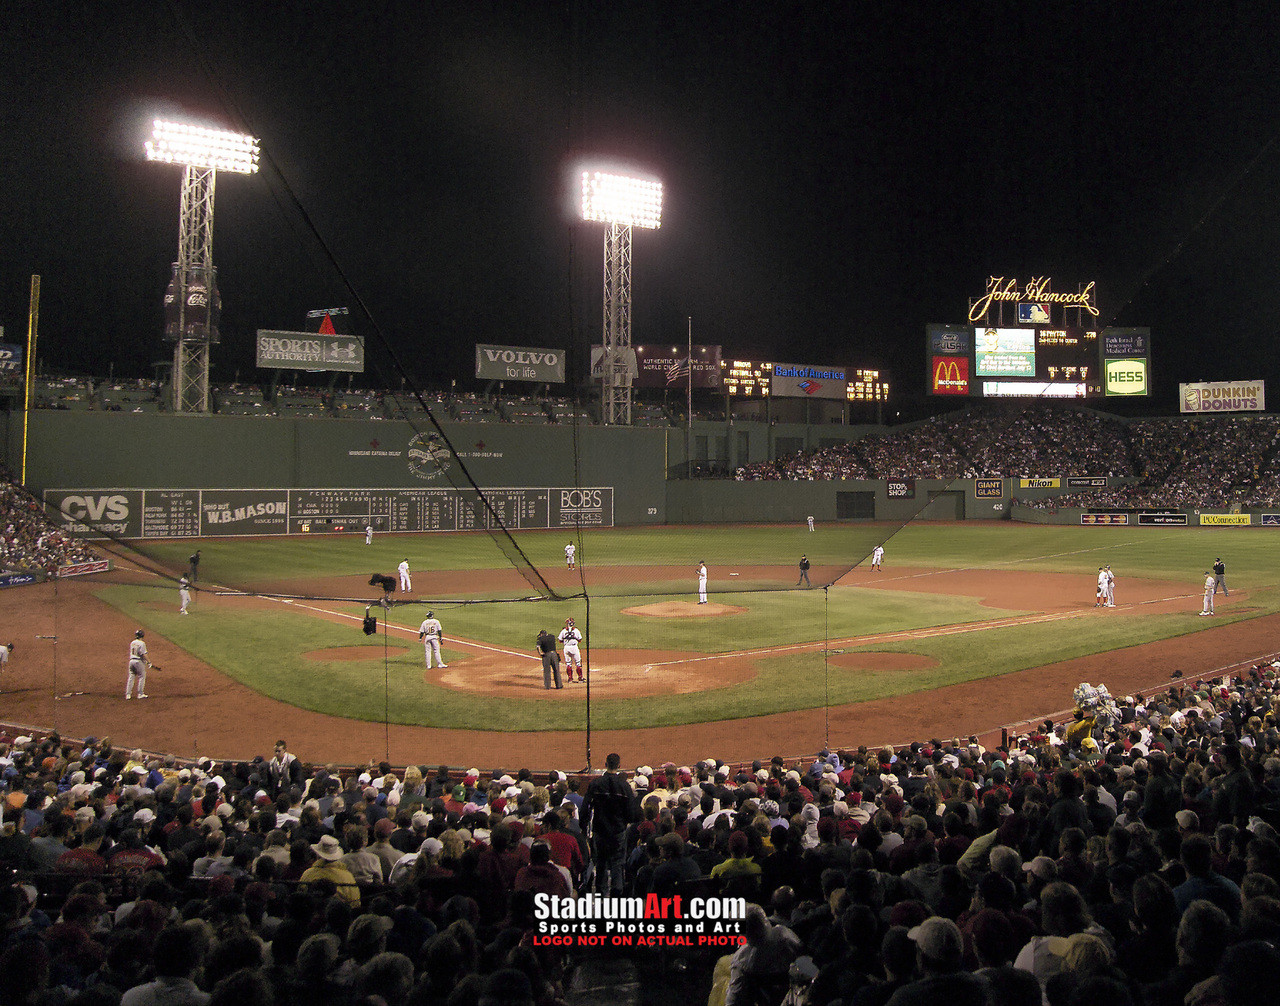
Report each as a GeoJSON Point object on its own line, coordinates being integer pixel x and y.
{"type": "Point", "coordinates": [1104, 518]}
{"type": "Point", "coordinates": [1039, 483]}
{"type": "Point", "coordinates": [309, 351]}
{"type": "Point", "coordinates": [627, 358]}
{"type": "Point", "coordinates": [1163, 519]}
{"type": "Point", "coordinates": [85, 568]}
{"type": "Point", "coordinates": [901, 489]}
{"type": "Point", "coordinates": [668, 367]}
{"type": "Point", "coordinates": [1117, 342]}
{"type": "Point", "coordinates": [949, 375]}
{"type": "Point", "coordinates": [1269, 519]}
{"type": "Point", "coordinates": [1225, 519]}
{"type": "Point", "coordinates": [1125, 377]}
{"type": "Point", "coordinates": [17, 579]}
{"type": "Point", "coordinates": [10, 358]}
{"type": "Point", "coordinates": [988, 489]}
{"type": "Point", "coordinates": [799, 380]}
{"type": "Point", "coordinates": [1087, 483]}
{"type": "Point", "coordinates": [1219, 396]}
{"type": "Point", "coordinates": [519, 363]}
{"type": "Point", "coordinates": [244, 511]}
{"type": "Point", "coordinates": [949, 340]}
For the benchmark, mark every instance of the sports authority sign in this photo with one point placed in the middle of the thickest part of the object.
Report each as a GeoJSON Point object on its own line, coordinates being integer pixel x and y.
{"type": "Point", "coordinates": [1223, 396]}
{"type": "Point", "coordinates": [519, 363]}
{"type": "Point", "coordinates": [309, 351]}
{"type": "Point", "coordinates": [799, 380]}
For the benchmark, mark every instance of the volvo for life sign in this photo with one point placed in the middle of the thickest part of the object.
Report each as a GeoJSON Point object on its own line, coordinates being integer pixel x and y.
{"type": "Point", "coordinates": [520, 363]}
{"type": "Point", "coordinates": [309, 351]}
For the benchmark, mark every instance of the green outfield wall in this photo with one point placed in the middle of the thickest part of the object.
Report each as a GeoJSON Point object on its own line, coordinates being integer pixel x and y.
{"type": "Point", "coordinates": [104, 450]}
{"type": "Point", "coordinates": [93, 450]}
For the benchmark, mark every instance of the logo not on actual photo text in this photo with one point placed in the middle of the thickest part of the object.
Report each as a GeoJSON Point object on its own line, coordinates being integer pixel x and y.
{"type": "Point", "coordinates": [598, 920]}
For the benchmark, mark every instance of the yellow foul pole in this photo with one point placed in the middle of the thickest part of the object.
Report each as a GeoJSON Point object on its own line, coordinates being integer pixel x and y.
{"type": "Point", "coordinates": [33, 321]}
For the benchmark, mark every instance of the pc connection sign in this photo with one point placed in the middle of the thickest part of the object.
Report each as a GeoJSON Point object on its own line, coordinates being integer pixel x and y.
{"type": "Point", "coordinates": [598, 920]}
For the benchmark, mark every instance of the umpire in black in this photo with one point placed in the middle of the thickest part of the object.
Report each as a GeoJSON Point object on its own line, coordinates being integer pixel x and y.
{"type": "Point", "coordinates": [1220, 577]}
{"type": "Point", "coordinates": [804, 572]}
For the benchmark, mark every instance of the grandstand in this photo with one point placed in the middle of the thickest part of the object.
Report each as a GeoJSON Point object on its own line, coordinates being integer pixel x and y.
{"type": "Point", "coordinates": [1090, 847]}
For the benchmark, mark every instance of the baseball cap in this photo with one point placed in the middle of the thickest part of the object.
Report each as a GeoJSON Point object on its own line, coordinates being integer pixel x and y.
{"type": "Point", "coordinates": [1042, 867]}
{"type": "Point", "coordinates": [938, 939]}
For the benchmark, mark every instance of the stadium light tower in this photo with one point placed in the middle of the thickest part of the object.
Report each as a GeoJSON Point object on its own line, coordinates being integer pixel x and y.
{"type": "Point", "coordinates": [622, 202]}
{"type": "Point", "coordinates": [192, 304]}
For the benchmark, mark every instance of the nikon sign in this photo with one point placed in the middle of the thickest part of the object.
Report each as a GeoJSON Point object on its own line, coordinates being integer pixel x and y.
{"type": "Point", "coordinates": [519, 363]}
{"type": "Point", "coordinates": [1125, 377]}
{"type": "Point", "coordinates": [310, 351]}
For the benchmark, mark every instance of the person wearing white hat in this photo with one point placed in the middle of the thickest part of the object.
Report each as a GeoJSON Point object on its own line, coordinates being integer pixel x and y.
{"type": "Point", "coordinates": [326, 867]}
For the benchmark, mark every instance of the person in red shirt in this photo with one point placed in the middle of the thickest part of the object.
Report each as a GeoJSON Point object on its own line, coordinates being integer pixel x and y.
{"type": "Point", "coordinates": [542, 876]}
{"type": "Point", "coordinates": [86, 859]}
{"type": "Point", "coordinates": [565, 850]}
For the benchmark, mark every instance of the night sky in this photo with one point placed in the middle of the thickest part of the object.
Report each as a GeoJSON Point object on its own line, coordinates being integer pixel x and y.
{"type": "Point", "coordinates": [835, 178]}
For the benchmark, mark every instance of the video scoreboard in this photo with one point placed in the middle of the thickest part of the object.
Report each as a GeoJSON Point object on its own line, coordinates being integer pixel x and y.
{"type": "Point", "coordinates": [980, 361]}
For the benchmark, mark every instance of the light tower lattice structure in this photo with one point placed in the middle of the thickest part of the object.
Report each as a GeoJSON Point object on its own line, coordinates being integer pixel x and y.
{"type": "Point", "coordinates": [622, 202]}
{"type": "Point", "coordinates": [192, 302]}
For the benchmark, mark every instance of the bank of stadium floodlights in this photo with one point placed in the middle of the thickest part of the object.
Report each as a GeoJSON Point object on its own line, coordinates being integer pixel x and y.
{"type": "Point", "coordinates": [192, 303]}
{"type": "Point", "coordinates": [622, 202]}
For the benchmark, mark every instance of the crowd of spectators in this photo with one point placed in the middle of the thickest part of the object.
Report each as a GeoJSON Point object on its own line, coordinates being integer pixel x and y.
{"type": "Point", "coordinates": [28, 541]}
{"type": "Point", "coordinates": [1138, 865]}
{"type": "Point", "coordinates": [1211, 461]}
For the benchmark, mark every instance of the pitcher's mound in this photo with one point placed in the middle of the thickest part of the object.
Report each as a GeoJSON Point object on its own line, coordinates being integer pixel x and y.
{"type": "Point", "coordinates": [684, 609]}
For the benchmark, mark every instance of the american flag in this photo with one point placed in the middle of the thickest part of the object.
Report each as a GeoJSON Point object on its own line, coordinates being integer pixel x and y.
{"type": "Point", "coordinates": [678, 370]}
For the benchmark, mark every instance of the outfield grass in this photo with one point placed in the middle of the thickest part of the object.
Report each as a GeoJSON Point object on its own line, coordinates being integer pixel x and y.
{"type": "Point", "coordinates": [265, 650]}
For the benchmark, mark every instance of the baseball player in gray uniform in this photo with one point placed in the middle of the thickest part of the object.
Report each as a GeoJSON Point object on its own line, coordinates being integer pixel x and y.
{"type": "Point", "coordinates": [138, 664]}
{"type": "Point", "coordinates": [184, 595]}
{"type": "Point", "coordinates": [1111, 587]}
{"type": "Point", "coordinates": [431, 632]}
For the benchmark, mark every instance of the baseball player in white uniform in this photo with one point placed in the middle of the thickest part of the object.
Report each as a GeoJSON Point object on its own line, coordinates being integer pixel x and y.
{"type": "Point", "coordinates": [431, 632]}
{"type": "Point", "coordinates": [571, 637]}
{"type": "Point", "coordinates": [810, 519]}
{"type": "Point", "coordinates": [702, 583]}
{"type": "Point", "coordinates": [138, 664]}
{"type": "Point", "coordinates": [877, 557]}
{"type": "Point", "coordinates": [184, 595]}
{"type": "Point", "coordinates": [569, 551]}
{"type": "Point", "coordinates": [1100, 598]}
{"type": "Point", "coordinates": [405, 583]}
{"type": "Point", "coordinates": [5, 650]}
{"type": "Point", "coordinates": [368, 534]}
{"type": "Point", "coordinates": [1111, 587]}
{"type": "Point", "coordinates": [1209, 581]}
